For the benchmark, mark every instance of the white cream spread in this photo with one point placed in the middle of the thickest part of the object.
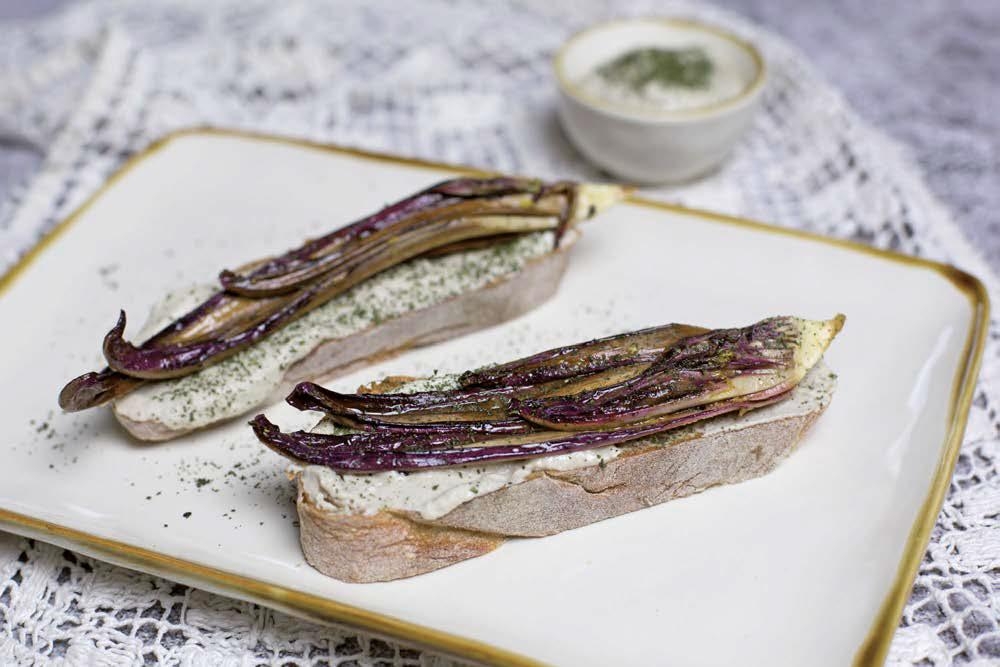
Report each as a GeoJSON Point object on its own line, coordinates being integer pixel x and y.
{"type": "Point", "coordinates": [434, 493]}
{"type": "Point", "coordinates": [727, 80]}
{"type": "Point", "coordinates": [245, 380]}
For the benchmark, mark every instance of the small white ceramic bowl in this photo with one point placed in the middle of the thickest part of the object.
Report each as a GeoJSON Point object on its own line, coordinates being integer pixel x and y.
{"type": "Point", "coordinates": [655, 146]}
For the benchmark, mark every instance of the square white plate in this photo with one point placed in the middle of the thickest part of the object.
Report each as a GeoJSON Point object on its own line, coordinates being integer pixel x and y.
{"type": "Point", "coordinates": [808, 565]}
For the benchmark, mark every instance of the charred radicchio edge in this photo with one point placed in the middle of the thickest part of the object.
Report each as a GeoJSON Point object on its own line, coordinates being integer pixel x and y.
{"type": "Point", "coordinates": [693, 378]}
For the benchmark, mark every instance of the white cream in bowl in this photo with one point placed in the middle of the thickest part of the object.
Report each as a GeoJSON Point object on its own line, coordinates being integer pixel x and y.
{"type": "Point", "coordinates": [657, 100]}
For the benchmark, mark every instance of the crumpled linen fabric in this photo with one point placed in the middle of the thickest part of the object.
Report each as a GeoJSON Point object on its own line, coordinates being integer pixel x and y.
{"type": "Point", "coordinates": [461, 82]}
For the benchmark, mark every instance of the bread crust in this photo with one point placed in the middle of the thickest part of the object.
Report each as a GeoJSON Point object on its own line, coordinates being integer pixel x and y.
{"type": "Point", "coordinates": [497, 302]}
{"type": "Point", "coordinates": [550, 502]}
{"type": "Point", "coordinates": [383, 547]}
{"type": "Point", "coordinates": [362, 548]}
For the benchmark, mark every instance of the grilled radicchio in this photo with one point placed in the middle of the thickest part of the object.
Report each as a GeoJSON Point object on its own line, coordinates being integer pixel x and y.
{"type": "Point", "coordinates": [605, 392]}
{"type": "Point", "coordinates": [256, 300]}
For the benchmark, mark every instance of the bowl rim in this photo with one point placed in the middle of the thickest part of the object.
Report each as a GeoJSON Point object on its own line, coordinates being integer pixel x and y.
{"type": "Point", "coordinates": [749, 92]}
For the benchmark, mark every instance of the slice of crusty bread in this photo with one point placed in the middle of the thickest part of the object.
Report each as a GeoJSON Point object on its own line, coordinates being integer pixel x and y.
{"type": "Point", "coordinates": [494, 303]}
{"type": "Point", "coordinates": [346, 543]}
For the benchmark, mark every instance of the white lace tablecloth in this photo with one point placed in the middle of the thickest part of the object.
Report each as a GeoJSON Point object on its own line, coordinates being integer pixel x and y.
{"type": "Point", "coordinates": [465, 82]}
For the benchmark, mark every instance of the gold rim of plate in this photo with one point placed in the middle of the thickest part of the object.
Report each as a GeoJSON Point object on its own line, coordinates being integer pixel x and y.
{"type": "Point", "coordinates": [871, 652]}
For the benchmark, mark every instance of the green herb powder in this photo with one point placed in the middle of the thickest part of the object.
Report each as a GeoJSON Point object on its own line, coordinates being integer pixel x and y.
{"type": "Point", "coordinates": [668, 68]}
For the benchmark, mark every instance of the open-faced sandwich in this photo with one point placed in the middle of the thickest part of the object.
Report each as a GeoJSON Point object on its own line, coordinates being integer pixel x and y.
{"type": "Point", "coordinates": [460, 255]}
{"type": "Point", "coordinates": [412, 475]}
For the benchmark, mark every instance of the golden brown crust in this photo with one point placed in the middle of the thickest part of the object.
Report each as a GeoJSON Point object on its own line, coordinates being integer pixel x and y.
{"type": "Point", "coordinates": [386, 385]}
{"type": "Point", "coordinates": [554, 501]}
{"type": "Point", "coordinates": [382, 547]}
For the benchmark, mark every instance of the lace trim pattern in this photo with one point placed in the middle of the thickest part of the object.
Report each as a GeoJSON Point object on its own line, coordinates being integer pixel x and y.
{"type": "Point", "coordinates": [460, 82]}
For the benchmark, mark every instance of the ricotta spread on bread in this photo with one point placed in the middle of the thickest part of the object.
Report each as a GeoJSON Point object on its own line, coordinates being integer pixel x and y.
{"type": "Point", "coordinates": [433, 493]}
{"type": "Point", "coordinates": [236, 384]}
